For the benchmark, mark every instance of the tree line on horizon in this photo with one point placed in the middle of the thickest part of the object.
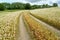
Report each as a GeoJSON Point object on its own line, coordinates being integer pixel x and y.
{"type": "Point", "coordinates": [23, 6]}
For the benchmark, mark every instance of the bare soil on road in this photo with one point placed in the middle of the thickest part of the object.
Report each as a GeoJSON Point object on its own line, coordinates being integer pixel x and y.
{"type": "Point", "coordinates": [23, 31]}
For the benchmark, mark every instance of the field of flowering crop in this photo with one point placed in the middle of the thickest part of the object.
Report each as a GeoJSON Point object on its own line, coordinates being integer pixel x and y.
{"type": "Point", "coordinates": [9, 26]}
{"type": "Point", "coordinates": [50, 16]}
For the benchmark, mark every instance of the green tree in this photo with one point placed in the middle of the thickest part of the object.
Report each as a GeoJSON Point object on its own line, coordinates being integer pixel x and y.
{"type": "Point", "coordinates": [43, 6]}
{"type": "Point", "coordinates": [18, 5]}
{"type": "Point", "coordinates": [6, 5]}
{"type": "Point", "coordinates": [36, 6]}
{"type": "Point", "coordinates": [47, 6]}
{"type": "Point", "coordinates": [27, 6]}
{"type": "Point", "coordinates": [1, 7]}
{"type": "Point", "coordinates": [55, 5]}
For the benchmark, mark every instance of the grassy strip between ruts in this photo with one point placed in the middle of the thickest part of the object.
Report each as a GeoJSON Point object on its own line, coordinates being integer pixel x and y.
{"type": "Point", "coordinates": [37, 30]}
{"type": "Point", "coordinates": [28, 29]}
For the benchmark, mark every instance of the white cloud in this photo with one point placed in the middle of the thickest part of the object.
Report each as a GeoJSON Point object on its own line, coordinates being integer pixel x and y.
{"type": "Point", "coordinates": [33, 1]}
{"type": "Point", "coordinates": [45, 2]}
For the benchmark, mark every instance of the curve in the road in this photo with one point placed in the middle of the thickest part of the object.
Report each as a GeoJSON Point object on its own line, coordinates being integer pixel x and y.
{"type": "Point", "coordinates": [47, 26]}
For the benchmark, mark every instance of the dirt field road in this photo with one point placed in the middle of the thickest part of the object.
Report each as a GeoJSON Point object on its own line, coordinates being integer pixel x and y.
{"type": "Point", "coordinates": [23, 31]}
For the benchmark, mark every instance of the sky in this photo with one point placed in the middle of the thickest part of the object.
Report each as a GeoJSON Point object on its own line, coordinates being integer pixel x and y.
{"type": "Point", "coordinates": [39, 2]}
